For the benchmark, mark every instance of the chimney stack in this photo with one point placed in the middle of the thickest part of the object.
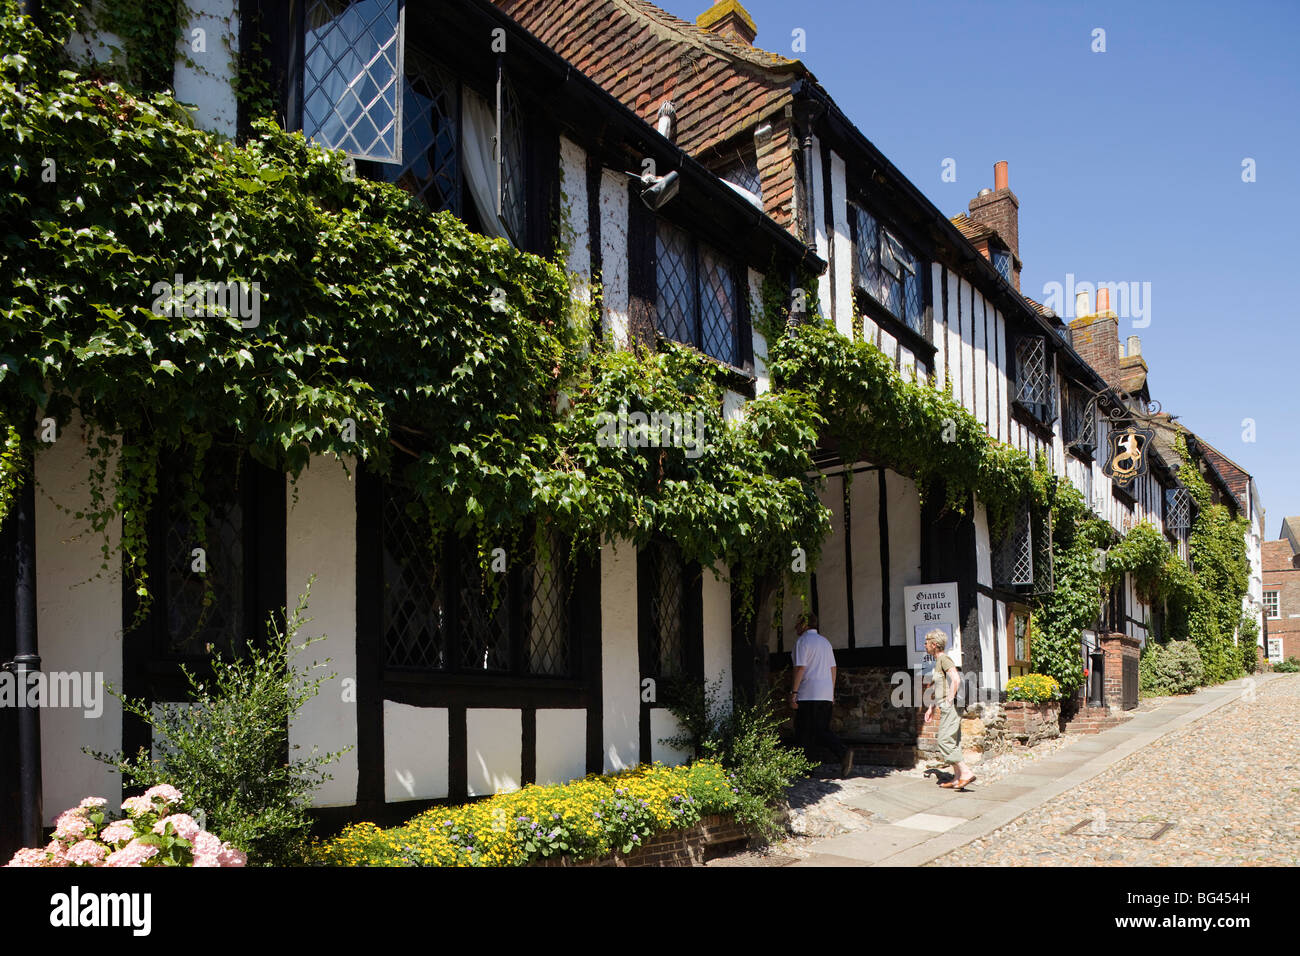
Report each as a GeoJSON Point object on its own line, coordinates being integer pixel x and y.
{"type": "Point", "coordinates": [727, 18]}
{"type": "Point", "coordinates": [1134, 345]}
{"type": "Point", "coordinates": [1000, 211]}
{"type": "Point", "coordinates": [1095, 336]}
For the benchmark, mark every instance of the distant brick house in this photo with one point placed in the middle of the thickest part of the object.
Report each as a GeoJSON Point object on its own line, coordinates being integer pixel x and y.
{"type": "Point", "coordinates": [1281, 592]}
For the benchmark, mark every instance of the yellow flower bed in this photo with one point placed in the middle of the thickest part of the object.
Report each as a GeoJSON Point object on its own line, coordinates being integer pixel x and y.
{"type": "Point", "coordinates": [584, 819]}
{"type": "Point", "coordinates": [1034, 688]}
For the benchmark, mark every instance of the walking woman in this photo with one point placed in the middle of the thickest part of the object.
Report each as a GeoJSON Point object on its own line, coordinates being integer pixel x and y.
{"type": "Point", "coordinates": [946, 682]}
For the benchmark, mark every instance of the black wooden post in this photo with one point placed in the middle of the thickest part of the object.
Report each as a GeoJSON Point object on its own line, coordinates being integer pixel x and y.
{"type": "Point", "coordinates": [27, 661]}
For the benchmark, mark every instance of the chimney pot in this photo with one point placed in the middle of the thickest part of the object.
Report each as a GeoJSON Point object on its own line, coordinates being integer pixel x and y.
{"type": "Point", "coordinates": [1103, 300]}
{"type": "Point", "coordinates": [1081, 304]}
{"type": "Point", "coordinates": [1000, 175]}
{"type": "Point", "coordinates": [1134, 345]}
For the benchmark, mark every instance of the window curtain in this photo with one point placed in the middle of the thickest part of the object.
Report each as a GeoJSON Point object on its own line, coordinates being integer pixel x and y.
{"type": "Point", "coordinates": [479, 155]}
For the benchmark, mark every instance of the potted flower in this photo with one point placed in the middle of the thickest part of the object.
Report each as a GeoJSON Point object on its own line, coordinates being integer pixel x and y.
{"type": "Point", "coordinates": [1033, 708]}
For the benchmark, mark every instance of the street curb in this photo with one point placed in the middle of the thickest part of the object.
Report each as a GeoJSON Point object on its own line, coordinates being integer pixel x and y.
{"type": "Point", "coordinates": [981, 826]}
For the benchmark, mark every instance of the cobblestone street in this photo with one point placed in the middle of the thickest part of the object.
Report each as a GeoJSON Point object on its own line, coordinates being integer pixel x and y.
{"type": "Point", "coordinates": [1229, 784]}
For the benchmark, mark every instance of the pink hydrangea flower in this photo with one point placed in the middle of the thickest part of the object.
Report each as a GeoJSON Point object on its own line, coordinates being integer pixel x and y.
{"type": "Point", "coordinates": [183, 825]}
{"type": "Point", "coordinates": [137, 805]}
{"type": "Point", "coordinates": [71, 825]}
{"type": "Point", "coordinates": [133, 854]}
{"type": "Point", "coordinates": [207, 849]}
{"type": "Point", "coordinates": [28, 856]}
{"type": "Point", "coordinates": [56, 853]}
{"type": "Point", "coordinates": [119, 831]}
{"type": "Point", "coordinates": [86, 853]}
{"type": "Point", "coordinates": [90, 802]}
{"type": "Point", "coordinates": [164, 792]}
{"type": "Point", "coordinates": [229, 856]}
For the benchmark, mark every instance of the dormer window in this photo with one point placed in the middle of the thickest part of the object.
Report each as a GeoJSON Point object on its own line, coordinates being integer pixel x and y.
{"type": "Point", "coordinates": [1002, 262]}
{"type": "Point", "coordinates": [887, 269]}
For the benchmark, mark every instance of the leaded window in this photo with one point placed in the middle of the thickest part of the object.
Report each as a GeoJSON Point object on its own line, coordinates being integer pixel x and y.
{"type": "Point", "coordinates": [886, 269]}
{"type": "Point", "coordinates": [744, 174]}
{"type": "Point", "coordinates": [1079, 425]}
{"type": "Point", "coordinates": [352, 70]}
{"type": "Point", "coordinates": [510, 159]}
{"type": "Point", "coordinates": [1002, 263]}
{"type": "Point", "coordinates": [695, 294]}
{"type": "Point", "coordinates": [442, 611]}
{"type": "Point", "coordinates": [1178, 510]}
{"type": "Point", "coordinates": [431, 154]}
{"type": "Point", "coordinates": [666, 610]}
{"type": "Point", "coordinates": [1013, 560]}
{"type": "Point", "coordinates": [1034, 378]}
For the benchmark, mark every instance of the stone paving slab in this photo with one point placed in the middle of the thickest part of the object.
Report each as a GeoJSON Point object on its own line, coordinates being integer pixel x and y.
{"type": "Point", "coordinates": [932, 822]}
{"type": "Point", "coordinates": [985, 809]}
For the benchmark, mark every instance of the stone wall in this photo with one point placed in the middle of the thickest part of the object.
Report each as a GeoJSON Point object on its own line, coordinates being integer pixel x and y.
{"type": "Point", "coordinates": [864, 717]}
{"type": "Point", "coordinates": [1028, 724]}
{"type": "Point", "coordinates": [672, 847]}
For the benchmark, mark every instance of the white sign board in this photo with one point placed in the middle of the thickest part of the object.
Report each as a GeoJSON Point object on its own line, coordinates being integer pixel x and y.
{"type": "Point", "coordinates": [926, 607]}
{"type": "Point", "coordinates": [1275, 648]}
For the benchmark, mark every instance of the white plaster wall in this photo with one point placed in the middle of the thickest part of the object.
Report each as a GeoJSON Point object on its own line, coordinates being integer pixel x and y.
{"type": "Point", "coordinates": [577, 236]}
{"type": "Point", "coordinates": [983, 551]}
{"type": "Point", "coordinates": [832, 596]}
{"type": "Point", "coordinates": [733, 407]}
{"type": "Point", "coordinates": [663, 725]}
{"type": "Point", "coordinates": [620, 667]}
{"type": "Point", "coordinates": [889, 345]}
{"type": "Point", "coordinates": [843, 257]}
{"type": "Point", "coordinates": [321, 540]}
{"type": "Point", "coordinates": [906, 363]}
{"type": "Point", "coordinates": [208, 84]}
{"type": "Point", "coordinates": [716, 600]}
{"type": "Point", "coordinates": [864, 499]}
{"type": "Point", "coordinates": [937, 331]}
{"type": "Point", "coordinates": [980, 363]}
{"type": "Point", "coordinates": [416, 752]}
{"type": "Point", "coordinates": [494, 745]}
{"type": "Point", "coordinates": [78, 626]}
{"type": "Point", "coordinates": [93, 45]}
{"type": "Point", "coordinates": [988, 634]}
{"type": "Point", "coordinates": [561, 745]}
{"type": "Point", "coordinates": [1000, 630]}
{"type": "Point", "coordinates": [904, 548]}
{"type": "Point", "coordinates": [1003, 411]}
{"type": "Point", "coordinates": [613, 255]}
{"type": "Point", "coordinates": [967, 348]}
{"type": "Point", "coordinates": [954, 337]}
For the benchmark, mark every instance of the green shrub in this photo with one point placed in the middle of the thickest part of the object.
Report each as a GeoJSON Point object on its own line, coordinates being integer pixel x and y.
{"type": "Point", "coordinates": [1289, 666]}
{"type": "Point", "coordinates": [1035, 688]}
{"type": "Point", "coordinates": [227, 749]}
{"type": "Point", "coordinates": [744, 739]}
{"type": "Point", "coordinates": [1173, 668]}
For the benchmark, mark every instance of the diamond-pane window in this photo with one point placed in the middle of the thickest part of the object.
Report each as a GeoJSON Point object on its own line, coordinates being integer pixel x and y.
{"type": "Point", "coordinates": [696, 294]}
{"type": "Point", "coordinates": [745, 175]}
{"type": "Point", "coordinates": [1034, 388]}
{"type": "Point", "coordinates": [484, 620]}
{"type": "Point", "coordinates": [550, 649]}
{"type": "Point", "coordinates": [352, 70]}
{"type": "Point", "coordinates": [1013, 561]}
{"type": "Point", "coordinates": [414, 622]}
{"type": "Point", "coordinates": [1079, 426]}
{"type": "Point", "coordinates": [1002, 262]}
{"type": "Point", "coordinates": [430, 136]}
{"type": "Point", "coordinates": [510, 159]}
{"type": "Point", "coordinates": [204, 608]}
{"type": "Point", "coordinates": [886, 269]}
{"type": "Point", "coordinates": [667, 596]}
{"type": "Point", "coordinates": [1178, 509]}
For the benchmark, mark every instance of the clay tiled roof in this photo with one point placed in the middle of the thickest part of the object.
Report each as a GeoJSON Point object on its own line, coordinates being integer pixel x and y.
{"type": "Point", "coordinates": [1133, 374]}
{"type": "Point", "coordinates": [1234, 476]}
{"type": "Point", "coordinates": [972, 230]}
{"type": "Point", "coordinates": [1291, 531]}
{"type": "Point", "coordinates": [643, 56]}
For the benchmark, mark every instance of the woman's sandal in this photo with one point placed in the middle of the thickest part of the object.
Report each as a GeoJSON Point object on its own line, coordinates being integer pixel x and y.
{"type": "Point", "coordinates": [963, 784]}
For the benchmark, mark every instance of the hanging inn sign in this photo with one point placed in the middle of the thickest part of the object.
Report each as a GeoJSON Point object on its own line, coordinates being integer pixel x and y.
{"type": "Point", "coordinates": [1126, 452]}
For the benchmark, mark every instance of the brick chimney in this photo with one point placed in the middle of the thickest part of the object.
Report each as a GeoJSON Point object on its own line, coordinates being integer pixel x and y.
{"type": "Point", "coordinates": [727, 18]}
{"type": "Point", "coordinates": [1096, 336]}
{"type": "Point", "coordinates": [1000, 211]}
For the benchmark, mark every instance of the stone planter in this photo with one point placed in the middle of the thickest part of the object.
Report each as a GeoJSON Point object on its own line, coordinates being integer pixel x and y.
{"type": "Point", "coordinates": [1029, 723]}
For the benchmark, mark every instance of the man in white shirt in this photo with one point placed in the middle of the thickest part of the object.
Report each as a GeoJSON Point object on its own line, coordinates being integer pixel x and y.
{"type": "Point", "coordinates": [813, 693]}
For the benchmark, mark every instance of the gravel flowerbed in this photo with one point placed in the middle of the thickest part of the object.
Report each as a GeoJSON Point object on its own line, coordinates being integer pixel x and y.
{"type": "Point", "coordinates": [1224, 791]}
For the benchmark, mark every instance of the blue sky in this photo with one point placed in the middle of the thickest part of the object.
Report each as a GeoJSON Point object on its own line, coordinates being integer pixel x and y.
{"type": "Point", "coordinates": [1127, 165]}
